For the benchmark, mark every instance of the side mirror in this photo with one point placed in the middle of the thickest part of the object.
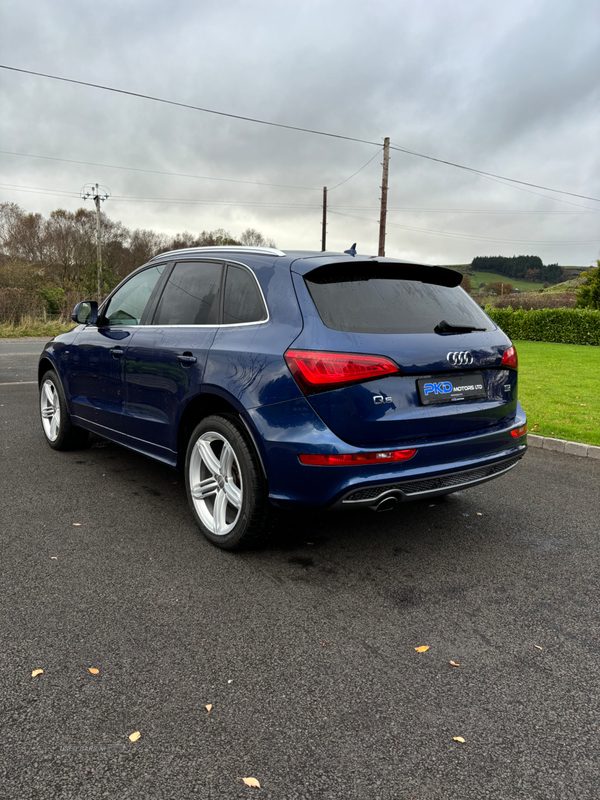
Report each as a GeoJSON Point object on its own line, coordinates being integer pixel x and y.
{"type": "Point", "coordinates": [85, 313]}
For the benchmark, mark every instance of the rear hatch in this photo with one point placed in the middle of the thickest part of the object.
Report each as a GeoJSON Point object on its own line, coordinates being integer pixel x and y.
{"type": "Point", "coordinates": [437, 365]}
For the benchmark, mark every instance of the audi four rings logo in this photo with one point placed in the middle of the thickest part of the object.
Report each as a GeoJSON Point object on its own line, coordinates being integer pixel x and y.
{"type": "Point", "coordinates": [463, 358]}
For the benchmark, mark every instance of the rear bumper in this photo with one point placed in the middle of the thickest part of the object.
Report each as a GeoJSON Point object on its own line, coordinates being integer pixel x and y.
{"type": "Point", "coordinates": [440, 466]}
{"type": "Point", "coordinates": [431, 486]}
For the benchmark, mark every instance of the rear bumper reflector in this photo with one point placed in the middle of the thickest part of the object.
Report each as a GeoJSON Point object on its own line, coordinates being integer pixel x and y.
{"type": "Point", "coordinates": [355, 459]}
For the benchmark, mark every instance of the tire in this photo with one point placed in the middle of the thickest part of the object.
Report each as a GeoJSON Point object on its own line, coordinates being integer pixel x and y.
{"type": "Point", "coordinates": [58, 429]}
{"type": "Point", "coordinates": [225, 486]}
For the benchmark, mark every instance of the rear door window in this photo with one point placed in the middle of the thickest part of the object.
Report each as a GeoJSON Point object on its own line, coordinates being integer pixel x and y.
{"type": "Point", "coordinates": [374, 298]}
{"type": "Point", "coordinates": [191, 295]}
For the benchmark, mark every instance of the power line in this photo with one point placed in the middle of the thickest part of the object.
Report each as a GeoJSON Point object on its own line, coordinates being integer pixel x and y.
{"type": "Point", "coordinates": [192, 201]}
{"type": "Point", "coordinates": [136, 199]}
{"type": "Point", "coordinates": [355, 173]}
{"type": "Point", "coordinates": [156, 172]}
{"type": "Point", "coordinates": [465, 235]}
{"type": "Point", "coordinates": [257, 121]}
{"type": "Point", "coordinates": [491, 174]}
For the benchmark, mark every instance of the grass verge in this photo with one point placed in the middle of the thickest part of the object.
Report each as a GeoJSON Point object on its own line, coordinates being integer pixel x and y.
{"type": "Point", "coordinates": [558, 388]}
{"type": "Point", "coordinates": [32, 327]}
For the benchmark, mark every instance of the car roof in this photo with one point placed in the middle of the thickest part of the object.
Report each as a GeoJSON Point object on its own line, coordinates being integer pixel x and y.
{"type": "Point", "coordinates": [300, 261]}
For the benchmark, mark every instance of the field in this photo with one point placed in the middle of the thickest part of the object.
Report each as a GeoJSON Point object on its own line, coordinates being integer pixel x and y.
{"type": "Point", "coordinates": [491, 277]}
{"type": "Point", "coordinates": [558, 388]}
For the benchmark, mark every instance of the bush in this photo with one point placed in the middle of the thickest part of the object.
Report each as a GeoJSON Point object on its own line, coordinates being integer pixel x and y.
{"type": "Point", "coordinates": [561, 325]}
{"type": "Point", "coordinates": [53, 300]}
{"type": "Point", "coordinates": [588, 295]}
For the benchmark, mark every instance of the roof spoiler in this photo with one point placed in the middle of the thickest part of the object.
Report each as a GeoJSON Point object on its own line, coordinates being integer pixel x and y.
{"type": "Point", "coordinates": [345, 272]}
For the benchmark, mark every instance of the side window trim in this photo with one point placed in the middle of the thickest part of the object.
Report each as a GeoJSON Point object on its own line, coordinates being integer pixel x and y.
{"type": "Point", "coordinates": [150, 310]}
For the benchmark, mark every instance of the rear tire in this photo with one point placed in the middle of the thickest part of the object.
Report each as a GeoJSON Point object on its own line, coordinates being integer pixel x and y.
{"type": "Point", "coordinates": [225, 486]}
{"type": "Point", "coordinates": [58, 429]}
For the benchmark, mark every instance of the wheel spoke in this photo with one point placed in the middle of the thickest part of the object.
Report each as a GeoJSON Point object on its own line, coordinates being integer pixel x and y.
{"type": "Point", "coordinates": [53, 427]}
{"type": "Point", "coordinates": [234, 494]}
{"type": "Point", "coordinates": [204, 489]}
{"type": "Point", "coordinates": [226, 460]}
{"type": "Point", "coordinates": [220, 513]}
{"type": "Point", "coordinates": [208, 457]}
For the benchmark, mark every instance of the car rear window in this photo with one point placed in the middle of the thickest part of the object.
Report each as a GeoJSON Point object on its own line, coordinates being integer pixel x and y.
{"type": "Point", "coordinates": [384, 298]}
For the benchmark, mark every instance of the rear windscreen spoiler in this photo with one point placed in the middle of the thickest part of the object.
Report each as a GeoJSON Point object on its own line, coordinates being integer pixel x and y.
{"type": "Point", "coordinates": [346, 272]}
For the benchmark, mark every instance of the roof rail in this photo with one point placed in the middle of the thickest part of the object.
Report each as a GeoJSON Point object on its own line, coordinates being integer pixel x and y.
{"type": "Point", "coordinates": [264, 251]}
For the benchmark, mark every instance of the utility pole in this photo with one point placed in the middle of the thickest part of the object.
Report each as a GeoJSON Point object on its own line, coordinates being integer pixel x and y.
{"type": "Point", "coordinates": [384, 191]}
{"type": "Point", "coordinates": [324, 229]}
{"type": "Point", "coordinates": [97, 194]}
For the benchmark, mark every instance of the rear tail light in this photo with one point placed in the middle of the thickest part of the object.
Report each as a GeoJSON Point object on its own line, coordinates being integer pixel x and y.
{"type": "Point", "coordinates": [355, 459]}
{"type": "Point", "coordinates": [509, 359]}
{"type": "Point", "coordinates": [519, 432]}
{"type": "Point", "coordinates": [316, 371]}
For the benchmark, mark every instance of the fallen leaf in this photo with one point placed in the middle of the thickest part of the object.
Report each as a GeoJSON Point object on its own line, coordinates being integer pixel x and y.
{"type": "Point", "coordinates": [36, 672]}
{"type": "Point", "coordinates": [250, 782]}
{"type": "Point", "coordinates": [479, 514]}
{"type": "Point", "coordinates": [422, 649]}
{"type": "Point", "coordinates": [230, 681]}
{"type": "Point", "coordinates": [432, 505]}
{"type": "Point", "coordinates": [174, 482]}
{"type": "Point", "coordinates": [208, 707]}
{"type": "Point", "coordinates": [454, 664]}
{"type": "Point", "coordinates": [53, 558]}
{"type": "Point", "coordinates": [133, 737]}
{"type": "Point", "coordinates": [538, 647]}
{"type": "Point", "coordinates": [77, 524]}
{"type": "Point", "coordinates": [458, 739]}
{"type": "Point", "coordinates": [93, 670]}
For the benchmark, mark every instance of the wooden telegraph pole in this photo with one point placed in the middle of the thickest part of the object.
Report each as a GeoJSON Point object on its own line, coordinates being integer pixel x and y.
{"type": "Point", "coordinates": [324, 229]}
{"type": "Point", "coordinates": [384, 191]}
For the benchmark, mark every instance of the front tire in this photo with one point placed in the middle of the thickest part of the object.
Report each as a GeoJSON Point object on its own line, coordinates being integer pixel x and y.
{"type": "Point", "coordinates": [60, 432]}
{"type": "Point", "coordinates": [225, 486]}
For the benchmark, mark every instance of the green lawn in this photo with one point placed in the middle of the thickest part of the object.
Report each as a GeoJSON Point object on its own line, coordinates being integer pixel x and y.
{"type": "Point", "coordinates": [559, 388]}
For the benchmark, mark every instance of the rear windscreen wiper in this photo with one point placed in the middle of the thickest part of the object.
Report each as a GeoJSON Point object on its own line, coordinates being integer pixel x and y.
{"type": "Point", "coordinates": [447, 327]}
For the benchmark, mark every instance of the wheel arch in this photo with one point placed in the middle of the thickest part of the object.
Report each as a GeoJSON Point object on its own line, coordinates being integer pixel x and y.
{"type": "Point", "coordinates": [214, 401]}
{"type": "Point", "coordinates": [44, 365]}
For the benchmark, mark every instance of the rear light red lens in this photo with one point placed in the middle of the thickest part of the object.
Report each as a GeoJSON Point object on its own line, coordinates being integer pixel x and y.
{"type": "Point", "coordinates": [519, 431]}
{"type": "Point", "coordinates": [355, 459]}
{"type": "Point", "coordinates": [509, 359]}
{"type": "Point", "coordinates": [316, 371]}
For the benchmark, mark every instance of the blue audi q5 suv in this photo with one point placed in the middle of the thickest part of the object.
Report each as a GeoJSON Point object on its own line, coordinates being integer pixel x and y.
{"type": "Point", "coordinates": [282, 380]}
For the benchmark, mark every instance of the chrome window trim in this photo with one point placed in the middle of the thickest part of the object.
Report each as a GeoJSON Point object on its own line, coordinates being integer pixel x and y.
{"type": "Point", "coordinates": [229, 248]}
{"type": "Point", "coordinates": [224, 263]}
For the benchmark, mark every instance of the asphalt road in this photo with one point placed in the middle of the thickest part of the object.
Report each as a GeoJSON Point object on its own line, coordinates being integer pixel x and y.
{"type": "Point", "coordinates": [305, 650]}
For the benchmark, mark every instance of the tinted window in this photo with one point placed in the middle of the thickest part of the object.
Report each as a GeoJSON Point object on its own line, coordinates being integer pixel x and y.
{"type": "Point", "coordinates": [190, 295]}
{"type": "Point", "coordinates": [128, 303]}
{"type": "Point", "coordinates": [243, 302]}
{"type": "Point", "coordinates": [372, 300]}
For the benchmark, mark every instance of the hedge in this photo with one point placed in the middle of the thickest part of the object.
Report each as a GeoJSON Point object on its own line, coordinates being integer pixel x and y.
{"type": "Point", "coordinates": [562, 325]}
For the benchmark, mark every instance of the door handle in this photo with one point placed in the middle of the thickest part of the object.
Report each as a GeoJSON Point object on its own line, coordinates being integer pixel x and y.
{"type": "Point", "coordinates": [116, 352]}
{"type": "Point", "coordinates": [187, 358]}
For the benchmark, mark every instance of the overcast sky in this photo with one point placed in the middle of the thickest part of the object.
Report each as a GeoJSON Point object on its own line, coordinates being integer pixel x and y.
{"type": "Point", "coordinates": [510, 88]}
